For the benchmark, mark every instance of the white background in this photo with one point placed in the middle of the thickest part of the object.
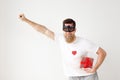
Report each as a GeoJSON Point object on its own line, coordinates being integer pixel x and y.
{"type": "Point", "coordinates": [25, 54]}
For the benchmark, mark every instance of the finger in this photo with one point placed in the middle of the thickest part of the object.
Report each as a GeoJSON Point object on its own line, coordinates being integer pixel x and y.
{"type": "Point", "coordinates": [87, 70]}
{"type": "Point", "coordinates": [21, 15]}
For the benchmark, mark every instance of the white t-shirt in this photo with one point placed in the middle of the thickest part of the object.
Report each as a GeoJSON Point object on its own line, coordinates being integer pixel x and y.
{"type": "Point", "coordinates": [72, 53]}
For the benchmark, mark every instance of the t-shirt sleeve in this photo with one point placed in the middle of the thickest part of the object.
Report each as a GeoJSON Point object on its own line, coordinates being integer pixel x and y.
{"type": "Point", "coordinates": [90, 46]}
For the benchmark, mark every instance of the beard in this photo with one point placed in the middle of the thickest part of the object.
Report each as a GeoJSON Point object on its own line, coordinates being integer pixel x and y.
{"type": "Point", "coordinates": [70, 38]}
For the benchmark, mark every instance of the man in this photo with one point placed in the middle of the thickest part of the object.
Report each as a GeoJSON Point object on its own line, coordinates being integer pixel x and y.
{"type": "Point", "coordinates": [76, 51]}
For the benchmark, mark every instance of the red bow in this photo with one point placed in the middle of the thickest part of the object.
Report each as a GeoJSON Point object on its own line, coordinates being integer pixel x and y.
{"type": "Point", "coordinates": [86, 62]}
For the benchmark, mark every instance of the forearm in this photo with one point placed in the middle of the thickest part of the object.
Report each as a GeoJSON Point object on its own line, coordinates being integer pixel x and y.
{"type": "Point", "coordinates": [101, 56]}
{"type": "Point", "coordinates": [36, 26]}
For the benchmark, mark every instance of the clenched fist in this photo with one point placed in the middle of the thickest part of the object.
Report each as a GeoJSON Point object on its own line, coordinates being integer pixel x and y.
{"type": "Point", "coordinates": [22, 17]}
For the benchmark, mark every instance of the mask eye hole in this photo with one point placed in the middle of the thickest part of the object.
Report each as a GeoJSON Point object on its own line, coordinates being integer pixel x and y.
{"type": "Point", "coordinates": [71, 29]}
{"type": "Point", "coordinates": [66, 29]}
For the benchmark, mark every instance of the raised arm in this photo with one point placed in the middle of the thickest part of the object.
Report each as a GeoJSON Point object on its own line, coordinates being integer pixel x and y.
{"type": "Point", "coordinates": [38, 27]}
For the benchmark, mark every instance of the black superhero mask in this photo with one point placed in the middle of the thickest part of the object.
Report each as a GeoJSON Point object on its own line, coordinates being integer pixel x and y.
{"type": "Point", "coordinates": [68, 28]}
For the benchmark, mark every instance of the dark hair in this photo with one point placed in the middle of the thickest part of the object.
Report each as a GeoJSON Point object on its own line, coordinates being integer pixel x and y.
{"type": "Point", "coordinates": [69, 20]}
